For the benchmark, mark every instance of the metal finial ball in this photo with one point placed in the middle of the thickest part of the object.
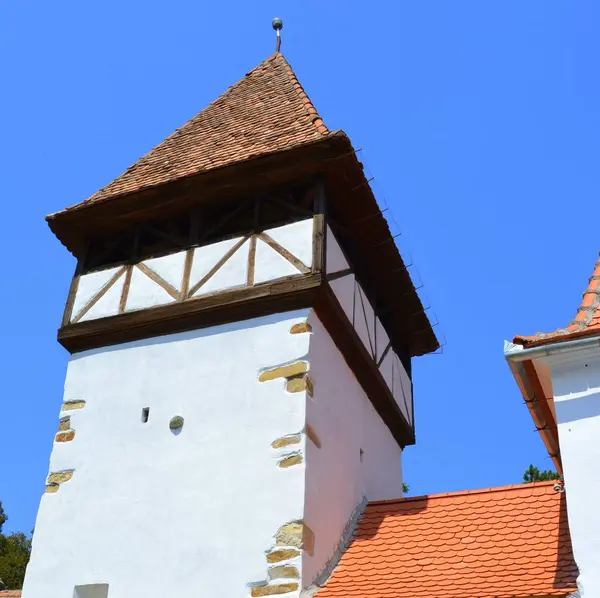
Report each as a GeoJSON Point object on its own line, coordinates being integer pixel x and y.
{"type": "Point", "coordinates": [277, 24]}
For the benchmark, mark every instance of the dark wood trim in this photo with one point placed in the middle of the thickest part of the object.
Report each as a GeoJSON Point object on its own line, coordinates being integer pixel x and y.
{"type": "Point", "coordinates": [216, 267]}
{"type": "Point", "coordinates": [159, 280]}
{"type": "Point", "coordinates": [99, 295]}
{"type": "Point", "coordinates": [187, 271]}
{"type": "Point", "coordinates": [362, 365]}
{"type": "Point", "coordinates": [289, 205]}
{"type": "Point", "coordinates": [125, 291]}
{"type": "Point", "coordinates": [251, 261]}
{"type": "Point", "coordinates": [283, 252]}
{"type": "Point", "coordinates": [319, 227]}
{"type": "Point", "coordinates": [72, 294]}
{"type": "Point", "coordinates": [200, 312]}
{"type": "Point", "coordinates": [385, 352]}
{"type": "Point", "coordinates": [339, 274]}
{"type": "Point", "coordinates": [364, 311]}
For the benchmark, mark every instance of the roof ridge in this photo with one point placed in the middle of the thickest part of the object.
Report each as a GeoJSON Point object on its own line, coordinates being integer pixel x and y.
{"type": "Point", "coordinates": [583, 320]}
{"type": "Point", "coordinates": [311, 111]}
{"type": "Point", "coordinates": [490, 490]}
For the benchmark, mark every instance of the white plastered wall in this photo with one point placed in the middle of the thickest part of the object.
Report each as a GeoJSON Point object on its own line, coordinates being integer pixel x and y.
{"type": "Point", "coordinates": [576, 388]}
{"type": "Point", "coordinates": [338, 476]}
{"type": "Point", "coordinates": [151, 512]}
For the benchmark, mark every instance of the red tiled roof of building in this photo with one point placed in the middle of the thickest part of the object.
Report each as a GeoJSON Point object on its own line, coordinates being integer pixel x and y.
{"type": "Point", "coordinates": [586, 322]}
{"type": "Point", "coordinates": [10, 593]}
{"type": "Point", "coordinates": [500, 542]}
{"type": "Point", "coordinates": [265, 112]}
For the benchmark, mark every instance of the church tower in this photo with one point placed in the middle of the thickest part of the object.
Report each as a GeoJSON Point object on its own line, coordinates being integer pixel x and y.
{"type": "Point", "coordinates": [241, 327]}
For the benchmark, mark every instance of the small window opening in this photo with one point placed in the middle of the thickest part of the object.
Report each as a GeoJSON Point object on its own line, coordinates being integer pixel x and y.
{"type": "Point", "coordinates": [145, 414]}
{"type": "Point", "coordinates": [362, 453]}
{"type": "Point", "coordinates": [96, 590]}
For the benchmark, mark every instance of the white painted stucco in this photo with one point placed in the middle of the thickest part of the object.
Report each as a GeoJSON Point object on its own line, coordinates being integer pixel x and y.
{"type": "Point", "coordinates": [108, 304]}
{"type": "Point", "coordinates": [345, 422]}
{"type": "Point", "coordinates": [576, 389]}
{"type": "Point", "coordinates": [153, 513]}
{"type": "Point", "coordinates": [335, 257]}
{"type": "Point", "coordinates": [296, 238]}
{"type": "Point", "coordinates": [144, 292]}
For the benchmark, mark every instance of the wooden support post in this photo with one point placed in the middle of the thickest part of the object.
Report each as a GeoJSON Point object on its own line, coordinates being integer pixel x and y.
{"type": "Point", "coordinates": [319, 237]}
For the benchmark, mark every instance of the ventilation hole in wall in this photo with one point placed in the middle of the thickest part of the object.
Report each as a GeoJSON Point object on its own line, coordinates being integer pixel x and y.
{"type": "Point", "coordinates": [362, 454]}
{"type": "Point", "coordinates": [145, 414]}
{"type": "Point", "coordinates": [176, 424]}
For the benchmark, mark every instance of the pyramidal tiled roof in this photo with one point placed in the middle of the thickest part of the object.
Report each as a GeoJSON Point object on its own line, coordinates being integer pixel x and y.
{"type": "Point", "coordinates": [265, 112]}
{"type": "Point", "coordinates": [495, 543]}
{"type": "Point", "coordinates": [586, 322]}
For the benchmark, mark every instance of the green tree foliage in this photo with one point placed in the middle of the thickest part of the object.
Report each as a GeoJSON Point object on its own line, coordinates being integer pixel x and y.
{"type": "Point", "coordinates": [405, 488]}
{"type": "Point", "coordinates": [15, 549]}
{"type": "Point", "coordinates": [3, 516]}
{"type": "Point", "coordinates": [533, 474]}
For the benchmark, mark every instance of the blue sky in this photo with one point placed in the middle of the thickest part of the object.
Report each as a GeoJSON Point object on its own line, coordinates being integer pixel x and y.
{"type": "Point", "coordinates": [478, 120]}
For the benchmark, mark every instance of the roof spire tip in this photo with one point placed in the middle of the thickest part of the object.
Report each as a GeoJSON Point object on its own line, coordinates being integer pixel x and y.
{"type": "Point", "coordinates": [278, 26]}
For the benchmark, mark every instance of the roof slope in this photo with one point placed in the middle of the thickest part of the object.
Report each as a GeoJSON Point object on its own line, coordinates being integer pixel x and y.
{"type": "Point", "coordinates": [265, 112]}
{"type": "Point", "coordinates": [10, 593]}
{"type": "Point", "coordinates": [586, 322]}
{"type": "Point", "coordinates": [500, 542]}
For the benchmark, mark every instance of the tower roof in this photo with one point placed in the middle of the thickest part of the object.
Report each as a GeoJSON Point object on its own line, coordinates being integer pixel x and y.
{"type": "Point", "coordinates": [265, 112]}
{"type": "Point", "coordinates": [262, 134]}
{"type": "Point", "coordinates": [586, 322]}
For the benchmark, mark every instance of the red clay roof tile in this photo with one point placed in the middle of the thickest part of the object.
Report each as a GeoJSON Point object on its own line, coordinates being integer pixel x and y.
{"type": "Point", "coordinates": [266, 112]}
{"type": "Point", "coordinates": [586, 322]}
{"type": "Point", "coordinates": [10, 593]}
{"type": "Point", "coordinates": [403, 548]}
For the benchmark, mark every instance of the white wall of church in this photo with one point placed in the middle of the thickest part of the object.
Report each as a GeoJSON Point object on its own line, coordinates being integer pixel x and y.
{"type": "Point", "coordinates": [151, 511]}
{"type": "Point", "coordinates": [576, 388]}
{"type": "Point", "coordinates": [358, 457]}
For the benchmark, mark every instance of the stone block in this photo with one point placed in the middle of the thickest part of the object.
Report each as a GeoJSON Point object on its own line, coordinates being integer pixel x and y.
{"type": "Point", "coordinates": [60, 477]}
{"type": "Point", "coordinates": [284, 571]}
{"type": "Point", "coordinates": [291, 460]}
{"type": "Point", "coordinates": [286, 441]}
{"type": "Point", "coordinates": [290, 534]}
{"type": "Point", "coordinates": [283, 554]}
{"type": "Point", "coordinates": [65, 436]}
{"type": "Point", "coordinates": [70, 405]}
{"type": "Point", "coordinates": [64, 424]}
{"type": "Point", "coordinates": [273, 590]}
{"type": "Point", "coordinates": [285, 371]}
{"type": "Point", "coordinates": [301, 328]}
{"type": "Point", "coordinates": [51, 488]}
{"type": "Point", "coordinates": [297, 384]}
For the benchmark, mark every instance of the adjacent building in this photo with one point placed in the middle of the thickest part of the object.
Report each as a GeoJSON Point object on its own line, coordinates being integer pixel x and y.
{"type": "Point", "coordinates": [559, 376]}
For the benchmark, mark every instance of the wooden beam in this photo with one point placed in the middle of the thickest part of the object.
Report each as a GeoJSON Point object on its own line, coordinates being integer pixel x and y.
{"type": "Point", "coordinates": [283, 252]}
{"type": "Point", "coordinates": [196, 313]}
{"type": "Point", "coordinates": [319, 236]}
{"type": "Point", "coordinates": [362, 365]}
